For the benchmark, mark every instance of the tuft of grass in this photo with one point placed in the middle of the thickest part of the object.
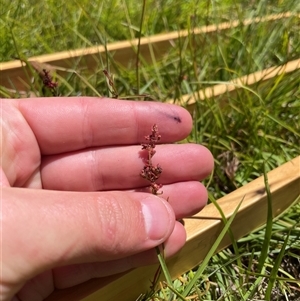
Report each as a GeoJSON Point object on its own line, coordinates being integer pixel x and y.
{"type": "Point", "coordinates": [249, 133]}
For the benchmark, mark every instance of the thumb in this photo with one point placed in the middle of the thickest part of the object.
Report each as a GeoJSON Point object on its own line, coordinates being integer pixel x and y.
{"type": "Point", "coordinates": [46, 229]}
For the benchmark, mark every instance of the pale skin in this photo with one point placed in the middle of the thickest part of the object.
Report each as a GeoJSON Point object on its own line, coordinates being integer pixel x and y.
{"type": "Point", "coordinates": [73, 205]}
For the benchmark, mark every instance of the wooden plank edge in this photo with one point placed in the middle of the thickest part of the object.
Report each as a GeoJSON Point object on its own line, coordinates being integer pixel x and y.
{"type": "Point", "coordinates": [202, 230]}
{"type": "Point", "coordinates": [122, 52]}
{"type": "Point", "coordinates": [232, 86]}
{"type": "Point", "coordinates": [50, 58]}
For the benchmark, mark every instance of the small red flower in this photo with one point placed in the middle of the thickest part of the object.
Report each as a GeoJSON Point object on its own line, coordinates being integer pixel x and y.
{"type": "Point", "coordinates": [47, 80]}
{"type": "Point", "coordinates": [150, 172]}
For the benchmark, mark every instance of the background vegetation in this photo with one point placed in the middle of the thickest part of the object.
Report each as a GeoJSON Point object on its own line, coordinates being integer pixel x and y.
{"type": "Point", "coordinates": [257, 129]}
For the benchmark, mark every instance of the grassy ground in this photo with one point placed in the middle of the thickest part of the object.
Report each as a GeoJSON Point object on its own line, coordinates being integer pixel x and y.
{"type": "Point", "coordinates": [257, 129]}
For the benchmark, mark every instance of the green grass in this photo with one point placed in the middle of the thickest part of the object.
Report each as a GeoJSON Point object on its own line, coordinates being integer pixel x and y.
{"type": "Point", "coordinates": [255, 132]}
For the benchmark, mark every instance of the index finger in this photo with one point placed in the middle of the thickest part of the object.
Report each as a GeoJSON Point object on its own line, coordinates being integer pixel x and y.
{"type": "Point", "coordinates": [64, 124]}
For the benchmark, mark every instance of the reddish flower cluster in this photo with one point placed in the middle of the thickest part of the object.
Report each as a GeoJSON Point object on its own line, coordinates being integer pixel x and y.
{"type": "Point", "coordinates": [150, 172]}
{"type": "Point", "coordinates": [48, 83]}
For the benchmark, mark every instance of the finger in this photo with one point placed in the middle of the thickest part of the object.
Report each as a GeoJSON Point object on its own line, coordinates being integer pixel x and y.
{"type": "Point", "coordinates": [120, 167]}
{"type": "Point", "coordinates": [77, 228]}
{"type": "Point", "coordinates": [75, 274]}
{"type": "Point", "coordinates": [68, 124]}
{"type": "Point", "coordinates": [44, 284]}
{"type": "Point", "coordinates": [186, 198]}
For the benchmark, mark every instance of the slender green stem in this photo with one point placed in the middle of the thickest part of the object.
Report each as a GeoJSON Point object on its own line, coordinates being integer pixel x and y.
{"type": "Point", "coordinates": [137, 67]}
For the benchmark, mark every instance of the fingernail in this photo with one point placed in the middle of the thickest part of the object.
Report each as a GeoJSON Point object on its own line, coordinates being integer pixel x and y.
{"type": "Point", "coordinates": [159, 218]}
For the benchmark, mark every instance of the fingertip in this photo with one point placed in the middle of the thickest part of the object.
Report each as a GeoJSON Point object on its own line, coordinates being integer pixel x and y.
{"type": "Point", "coordinates": [205, 161]}
{"type": "Point", "coordinates": [159, 218]}
{"type": "Point", "coordinates": [181, 117]}
{"type": "Point", "coordinates": [208, 156]}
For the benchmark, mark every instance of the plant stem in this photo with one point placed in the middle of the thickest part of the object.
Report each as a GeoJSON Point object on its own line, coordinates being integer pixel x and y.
{"type": "Point", "coordinates": [139, 49]}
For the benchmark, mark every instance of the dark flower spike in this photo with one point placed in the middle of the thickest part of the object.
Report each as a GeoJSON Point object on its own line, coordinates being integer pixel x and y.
{"type": "Point", "coordinates": [47, 80]}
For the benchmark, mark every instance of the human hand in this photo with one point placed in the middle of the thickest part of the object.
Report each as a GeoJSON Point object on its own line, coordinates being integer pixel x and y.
{"type": "Point", "coordinates": [73, 206]}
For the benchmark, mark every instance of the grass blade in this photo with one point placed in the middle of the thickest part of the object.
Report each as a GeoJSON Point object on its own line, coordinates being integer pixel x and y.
{"type": "Point", "coordinates": [211, 252]}
{"type": "Point", "coordinates": [275, 268]}
{"type": "Point", "coordinates": [268, 232]}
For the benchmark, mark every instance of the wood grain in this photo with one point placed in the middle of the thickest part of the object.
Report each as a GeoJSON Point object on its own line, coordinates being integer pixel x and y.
{"type": "Point", "coordinates": [202, 230]}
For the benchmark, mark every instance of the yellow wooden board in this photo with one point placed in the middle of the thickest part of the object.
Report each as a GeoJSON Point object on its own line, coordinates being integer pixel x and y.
{"type": "Point", "coordinates": [202, 230]}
